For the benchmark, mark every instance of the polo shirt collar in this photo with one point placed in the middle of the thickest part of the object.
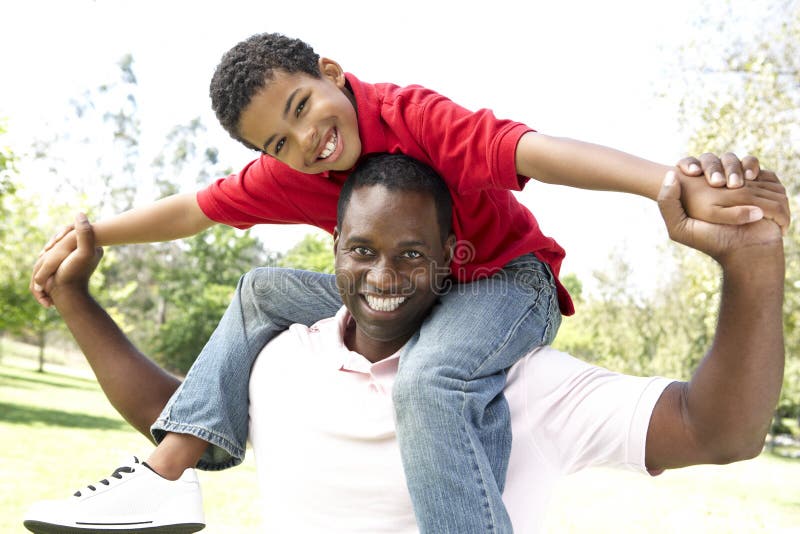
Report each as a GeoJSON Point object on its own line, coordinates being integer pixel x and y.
{"type": "Point", "coordinates": [370, 126]}
{"type": "Point", "coordinates": [348, 360]}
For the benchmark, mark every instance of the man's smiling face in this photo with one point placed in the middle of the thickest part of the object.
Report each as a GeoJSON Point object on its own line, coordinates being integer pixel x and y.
{"type": "Point", "coordinates": [308, 123]}
{"type": "Point", "coordinates": [390, 264]}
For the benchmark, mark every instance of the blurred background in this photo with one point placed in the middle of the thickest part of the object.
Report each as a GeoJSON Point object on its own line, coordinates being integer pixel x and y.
{"type": "Point", "coordinates": [104, 106]}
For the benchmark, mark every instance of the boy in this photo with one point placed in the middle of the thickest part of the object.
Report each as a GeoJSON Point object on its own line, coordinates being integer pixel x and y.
{"type": "Point", "coordinates": [313, 123]}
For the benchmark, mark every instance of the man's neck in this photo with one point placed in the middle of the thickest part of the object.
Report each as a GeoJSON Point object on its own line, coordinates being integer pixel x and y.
{"type": "Point", "coordinates": [372, 349]}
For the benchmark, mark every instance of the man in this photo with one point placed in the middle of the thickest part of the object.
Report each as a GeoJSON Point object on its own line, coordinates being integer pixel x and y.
{"type": "Point", "coordinates": [321, 414]}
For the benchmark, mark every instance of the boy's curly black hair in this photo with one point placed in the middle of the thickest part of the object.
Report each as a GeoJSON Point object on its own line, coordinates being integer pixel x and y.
{"type": "Point", "coordinates": [248, 66]}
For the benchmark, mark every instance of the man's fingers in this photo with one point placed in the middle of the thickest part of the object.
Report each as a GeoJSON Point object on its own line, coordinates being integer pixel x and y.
{"type": "Point", "coordinates": [733, 170]}
{"type": "Point", "coordinates": [84, 234]}
{"type": "Point", "coordinates": [690, 166]}
{"type": "Point", "coordinates": [752, 169]}
{"type": "Point", "coordinates": [713, 170]}
{"type": "Point", "coordinates": [57, 237]}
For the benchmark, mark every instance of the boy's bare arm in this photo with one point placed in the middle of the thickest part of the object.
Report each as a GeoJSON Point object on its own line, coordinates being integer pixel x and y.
{"type": "Point", "coordinates": [170, 218]}
{"type": "Point", "coordinates": [723, 413]}
{"type": "Point", "coordinates": [574, 163]}
{"type": "Point", "coordinates": [136, 387]}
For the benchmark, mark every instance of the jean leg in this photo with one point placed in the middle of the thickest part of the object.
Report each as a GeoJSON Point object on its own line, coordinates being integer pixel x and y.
{"type": "Point", "coordinates": [212, 402]}
{"type": "Point", "coordinates": [452, 420]}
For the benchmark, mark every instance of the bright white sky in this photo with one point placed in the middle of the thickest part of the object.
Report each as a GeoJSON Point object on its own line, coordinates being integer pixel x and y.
{"type": "Point", "coordinates": [588, 70]}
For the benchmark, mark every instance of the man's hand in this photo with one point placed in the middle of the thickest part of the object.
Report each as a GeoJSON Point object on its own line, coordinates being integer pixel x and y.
{"type": "Point", "coordinates": [74, 271]}
{"type": "Point", "coordinates": [718, 240]}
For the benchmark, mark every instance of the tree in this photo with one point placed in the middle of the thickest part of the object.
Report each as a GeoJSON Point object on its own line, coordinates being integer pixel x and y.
{"type": "Point", "coordinates": [167, 296]}
{"type": "Point", "coordinates": [19, 312]}
{"type": "Point", "coordinates": [313, 253]}
{"type": "Point", "coordinates": [751, 103]}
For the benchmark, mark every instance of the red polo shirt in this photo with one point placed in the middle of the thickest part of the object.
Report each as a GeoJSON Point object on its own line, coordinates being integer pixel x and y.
{"type": "Point", "coordinates": [473, 152]}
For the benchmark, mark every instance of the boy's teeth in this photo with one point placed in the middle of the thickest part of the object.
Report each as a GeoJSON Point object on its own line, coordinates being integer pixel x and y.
{"type": "Point", "coordinates": [386, 304]}
{"type": "Point", "coordinates": [330, 146]}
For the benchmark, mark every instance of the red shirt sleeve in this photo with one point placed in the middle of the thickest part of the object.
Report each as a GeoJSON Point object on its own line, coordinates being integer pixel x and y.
{"type": "Point", "coordinates": [472, 150]}
{"type": "Point", "coordinates": [266, 191]}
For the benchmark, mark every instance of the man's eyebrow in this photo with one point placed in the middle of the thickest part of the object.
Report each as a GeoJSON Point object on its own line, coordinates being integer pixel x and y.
{"type": "Point", "coordinates": [414, 243]}
{"type": "Point", "coordinates": [286, 109]}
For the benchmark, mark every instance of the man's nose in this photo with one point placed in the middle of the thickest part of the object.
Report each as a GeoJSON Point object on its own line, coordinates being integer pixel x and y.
{"type": "Point", "coordinates": [383, 276]}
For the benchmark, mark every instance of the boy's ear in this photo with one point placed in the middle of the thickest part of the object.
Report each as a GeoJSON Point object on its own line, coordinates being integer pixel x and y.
{"type": "Point", "coordinates": [328, 68]}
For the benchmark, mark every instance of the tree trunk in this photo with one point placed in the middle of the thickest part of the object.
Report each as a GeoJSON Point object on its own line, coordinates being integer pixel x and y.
{"type": "Point", "coordinates": [42, 341]}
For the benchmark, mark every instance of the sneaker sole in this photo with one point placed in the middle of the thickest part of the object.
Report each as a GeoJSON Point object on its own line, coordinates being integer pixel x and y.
{"type": "Point", "coordinates": [37, 527]}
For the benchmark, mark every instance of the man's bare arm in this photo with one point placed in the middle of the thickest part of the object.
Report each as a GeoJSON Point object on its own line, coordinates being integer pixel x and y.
{"type": "Point", "coordinates": [136, 387]}
{"type": "Point", "coordinates": [723, 413]}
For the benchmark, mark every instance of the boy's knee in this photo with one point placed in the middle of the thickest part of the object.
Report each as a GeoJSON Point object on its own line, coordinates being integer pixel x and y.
{"type": "Point", "coordinates": [263, 281]}
{"type": "Point", "coordinates": [421, 390]}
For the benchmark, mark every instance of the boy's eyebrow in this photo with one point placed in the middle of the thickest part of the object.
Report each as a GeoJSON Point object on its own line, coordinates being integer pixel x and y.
{"type": "Point", "coordinates": [289, 102]}
{"type": "Point", "coordinates": [286, 109]}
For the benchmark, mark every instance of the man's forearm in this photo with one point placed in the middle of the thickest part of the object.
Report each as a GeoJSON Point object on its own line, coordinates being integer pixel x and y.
{"type": "Point", "coordinates": [134, 385]}
{"type": "Point", "coordinates": [730, 400]}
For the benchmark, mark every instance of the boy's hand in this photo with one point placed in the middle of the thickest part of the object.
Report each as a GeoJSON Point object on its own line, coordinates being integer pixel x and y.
{"type": "Point", "coordinates": [716, 240]}
{"type": "Point", "coordinates": [726, 170]}
{"type": "Point", "coordinates": [764, 197]}
{"type": "Point", "coordinates": [55, 252]}
{"type": "Point", "coordinates": [74, 272]}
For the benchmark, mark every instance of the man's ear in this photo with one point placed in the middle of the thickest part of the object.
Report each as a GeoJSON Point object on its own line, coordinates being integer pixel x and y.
{"type": "Point", "coordinates": [449, 249]}
{"type": "Point", "coordinates": [336, 235]}
{"type": "Point", "coordinates": [328, 68]}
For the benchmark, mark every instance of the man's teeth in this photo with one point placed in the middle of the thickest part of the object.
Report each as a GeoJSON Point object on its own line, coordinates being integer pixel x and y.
{"type": "Point", "coordinates": [385, 304]}
{"type": "Point", "coordinates": [330, 146]}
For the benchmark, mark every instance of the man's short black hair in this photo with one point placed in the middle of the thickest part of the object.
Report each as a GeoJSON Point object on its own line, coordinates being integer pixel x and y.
{"type": "Point", "coordinates": [247, 67]}
{"type": "Point", "coordinates": [398, 172]}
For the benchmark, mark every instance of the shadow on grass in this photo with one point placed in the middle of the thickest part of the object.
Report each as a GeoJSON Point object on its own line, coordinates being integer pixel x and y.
{"type": "Point", "coordinates": [22, 414]}
{"type": "Point", "coordinates": [58, 381]}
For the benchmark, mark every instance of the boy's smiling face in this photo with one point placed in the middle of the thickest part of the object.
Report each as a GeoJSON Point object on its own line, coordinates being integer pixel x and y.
{"type": "Point", "coordinates": [308, 123]}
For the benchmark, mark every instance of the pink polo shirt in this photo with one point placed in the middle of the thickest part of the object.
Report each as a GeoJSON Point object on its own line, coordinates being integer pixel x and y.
{"type": "Point", "coordinates": [323, 433]}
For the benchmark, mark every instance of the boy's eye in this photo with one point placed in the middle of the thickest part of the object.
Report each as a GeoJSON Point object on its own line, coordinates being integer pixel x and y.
{"type": "Point", "coordinates": [279, 145]}
{"type": "Point", "coordinates": [300, 107]}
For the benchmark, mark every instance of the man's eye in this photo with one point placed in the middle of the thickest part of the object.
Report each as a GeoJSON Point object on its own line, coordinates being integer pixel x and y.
{"type": "Point", "coordinates": [412, 254]}
{"type": "Point", "coordinates": [279, 145]}
{"type": "Point", "coordinates": [362, 251]}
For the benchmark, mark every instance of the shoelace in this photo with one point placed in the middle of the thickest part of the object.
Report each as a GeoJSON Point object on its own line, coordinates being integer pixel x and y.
{"type": "Point", "coordinates": [116, 474]}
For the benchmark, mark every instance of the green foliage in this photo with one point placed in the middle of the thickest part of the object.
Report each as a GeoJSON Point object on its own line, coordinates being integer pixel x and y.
{"type": "Point", "coordinates": [742, 95]}
{"type": "Point", "coordinates": [195, 284]}
{"type": "Point", "coordinates": [7, 171]}
{"type": "Point", "coordinates": [752, 104]}
{"type": "Point", "coordinates": [313, 253]}
{"type": "Point", "coordinates": [19, 312]}
{"type": "Point", "coordinates": [167, 296]}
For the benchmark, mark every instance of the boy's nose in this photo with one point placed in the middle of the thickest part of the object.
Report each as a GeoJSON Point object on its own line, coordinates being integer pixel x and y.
{"type": "Point", "coordinates": [309, 140]}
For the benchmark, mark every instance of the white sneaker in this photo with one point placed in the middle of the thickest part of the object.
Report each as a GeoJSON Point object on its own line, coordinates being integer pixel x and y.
{"type": "Point", "coordinates": [133, 499]}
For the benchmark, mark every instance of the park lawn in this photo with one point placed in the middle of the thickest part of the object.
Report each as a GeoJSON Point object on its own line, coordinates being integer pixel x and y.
{"type": "Point", "coordinates": [60, 433]}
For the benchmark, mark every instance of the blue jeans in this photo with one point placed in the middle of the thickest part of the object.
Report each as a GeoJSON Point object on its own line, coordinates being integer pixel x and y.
{"type": "Point", "coordinates": [453, 424]}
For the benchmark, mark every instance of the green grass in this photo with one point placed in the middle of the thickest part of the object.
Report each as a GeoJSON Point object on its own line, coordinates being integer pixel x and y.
{"type": "Point", "coordinates": [60, 433]}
